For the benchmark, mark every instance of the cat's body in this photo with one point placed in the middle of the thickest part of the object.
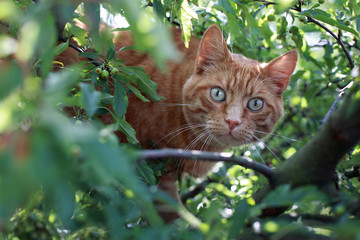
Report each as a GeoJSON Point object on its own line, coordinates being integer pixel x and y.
{"type": "Point", "coordinates": [213, 100]}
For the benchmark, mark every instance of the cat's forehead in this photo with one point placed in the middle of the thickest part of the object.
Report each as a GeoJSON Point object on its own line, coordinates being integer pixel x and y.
{"type": "Point", "coordinates": [241, 60]}
{"type": "Point", "coordinates": [243, 78]}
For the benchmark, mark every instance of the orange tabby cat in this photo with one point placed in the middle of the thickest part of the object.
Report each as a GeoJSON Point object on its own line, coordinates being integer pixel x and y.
{"type": "Point", "coordinates": [214, 99]}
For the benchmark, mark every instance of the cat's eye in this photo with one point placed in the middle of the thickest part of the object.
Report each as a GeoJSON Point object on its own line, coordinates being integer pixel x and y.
{"type": "Point", "coordinates": [217, 94]}
{"type": "Point", "coordinates": [255, 104]}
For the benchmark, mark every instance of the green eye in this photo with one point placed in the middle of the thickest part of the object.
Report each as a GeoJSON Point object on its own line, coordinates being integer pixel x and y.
{"type": "Point", "coordinates": [217, 94]}
{"type": "Point", "coordinates": [255, 104]}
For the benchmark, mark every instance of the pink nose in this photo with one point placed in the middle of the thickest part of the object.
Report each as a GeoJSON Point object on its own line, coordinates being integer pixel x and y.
{"type": "Point", "coordinates": [232, 124]}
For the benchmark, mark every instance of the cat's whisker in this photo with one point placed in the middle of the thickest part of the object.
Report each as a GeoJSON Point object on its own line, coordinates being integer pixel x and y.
{"type": "Point", "coordinates": [194, 142]}
{"type": "Point", "coordinates": [258, 152]}
{"type": "Point", "coordinates": [205, 146]}
{"type": "Point", "coordinates": [181, 130]}
{"type": "Point", "coordinates": [177, 132]}
{"type": "Point", "coordinates": [197, 139]}
{"type": "Point", "coordinates": [277, 135]}
{"type": "Point", "coordinates": [209, 140]}
{"type": "Point", "coordinates": [206, 140]}
{"type": "Point", "coordinates": [259, 140]}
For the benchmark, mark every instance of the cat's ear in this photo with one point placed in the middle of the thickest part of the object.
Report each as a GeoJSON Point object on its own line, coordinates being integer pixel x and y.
{"type": "Point", "coordinates": [212, 50]}
{"type": "Point", "coordinates": [281, 68]}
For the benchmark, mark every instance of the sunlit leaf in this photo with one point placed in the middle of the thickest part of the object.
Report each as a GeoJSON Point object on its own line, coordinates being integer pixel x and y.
{"type": "Point", "coordinates": [185, 14]}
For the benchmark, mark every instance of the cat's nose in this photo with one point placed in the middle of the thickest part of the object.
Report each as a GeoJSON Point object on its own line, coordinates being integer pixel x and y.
{"type": "Point", "coordinates": [232, 124]}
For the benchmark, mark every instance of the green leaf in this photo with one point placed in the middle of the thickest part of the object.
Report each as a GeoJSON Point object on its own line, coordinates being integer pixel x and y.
{"type": "Point", "coordinates": [61, 48]}
{"type": "Point", "coordinates": [110, 55]}
{"type": "Point", "coordinates": [61, 81]}
{"type": "Point", "coordinates": [242, 212]}
{"type": "Point", "coordinates": [159, 10]}
{"type": "Point", "coordinates": [185, 14]}
{"type": "Point", "coordinates": [127, 129]}
{"type": "Point", "coordinates": [120, 100]}
{"type": "Point", "coordinates": [346, 164]}
{"type": "Point", "coordinates": [80, 34]}
{"type": "Point", "coordinates": [147, 173]}
{"type": "Point", "coordinates": [10, 78]}
{"type": "Point", "coordinates": [90, 98]}
{"type": "Point", "coordinates": [132, 88]}
{"type": "Point", "coordinates": [227, 6]}
{"type": "Point", "coordinates": [326, 18]}
{"type": "Point", "coordinates": [92, 11]}
{"type": "Point", "coordinates": [90, 55]}
{"type": "Point", "coordinates": [106, 98]}
{"type": "Point", "coordinates": [143, 81]}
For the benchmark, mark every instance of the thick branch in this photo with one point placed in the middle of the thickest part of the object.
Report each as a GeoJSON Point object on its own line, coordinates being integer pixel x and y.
{"type": "Point", "coordinates": [208, 156]}
{"type": "Point", "coordinates": [316, 162]}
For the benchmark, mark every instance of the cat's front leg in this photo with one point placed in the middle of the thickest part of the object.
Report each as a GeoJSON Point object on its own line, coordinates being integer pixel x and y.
{"type": "Point", "coordinates": [167, 183]}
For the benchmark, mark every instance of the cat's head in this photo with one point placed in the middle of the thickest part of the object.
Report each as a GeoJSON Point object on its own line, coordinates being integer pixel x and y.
{"type": "Point", "coordinates": [235, 99]}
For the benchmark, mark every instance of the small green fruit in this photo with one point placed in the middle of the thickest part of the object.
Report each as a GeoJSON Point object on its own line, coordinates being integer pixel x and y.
{"type": "Point", "coordinates": [105, 74]}
{"type": "Point", "coordinates": [321, 1]}
{"type": "Point", "coordinates": [347, 22]}
{"type": "Point", "coordinates": [114, 71]}
{"type": "Point", "coordinates": [98, 71]}
{"type": "Point", "coordinates": [302, 19]}
{"type": "Point", "coordinates": [271, 18]}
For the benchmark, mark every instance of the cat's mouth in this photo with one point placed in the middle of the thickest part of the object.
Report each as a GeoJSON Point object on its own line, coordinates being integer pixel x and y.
{"type": "Point", "coordinates": [230, 139]}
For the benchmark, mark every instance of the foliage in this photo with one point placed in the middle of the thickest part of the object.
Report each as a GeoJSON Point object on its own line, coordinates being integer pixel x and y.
{"type": "Point", "coordinates": [64, 178]}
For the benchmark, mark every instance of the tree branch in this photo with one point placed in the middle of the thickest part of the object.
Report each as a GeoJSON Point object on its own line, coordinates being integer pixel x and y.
{"type": "Point", "coordinates": [316, 162]}
{"type": "Point", "coordinates": [207, 156]}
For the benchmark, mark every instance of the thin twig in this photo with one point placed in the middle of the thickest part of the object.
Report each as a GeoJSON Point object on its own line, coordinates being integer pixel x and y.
{"type": "Point", "coordinates": [79, 50]}
{"type": "Point", "coordinates": [338, 39]}
{"type": "Point", "coordinates": [196, 190]}
{"type": "Point", "coordinates": [208, 156]}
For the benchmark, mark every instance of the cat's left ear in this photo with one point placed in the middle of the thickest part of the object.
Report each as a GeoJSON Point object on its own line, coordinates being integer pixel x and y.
{"type": "Point", "coordinates": [212, 50]}
{"type": "Point", "coordinates": [281, 68]}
